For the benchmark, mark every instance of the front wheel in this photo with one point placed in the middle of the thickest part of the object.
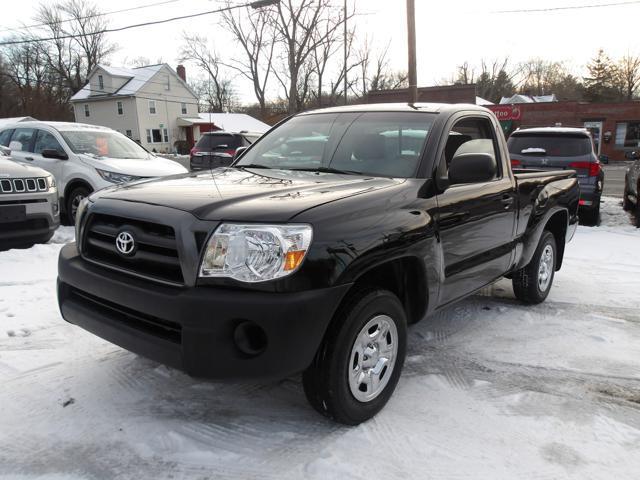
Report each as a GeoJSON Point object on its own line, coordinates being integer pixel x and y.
{"type": "Point", "coordinates": [532, 283]}
{"type": "Point", "coordinates": [358, 365]}
{"type": "Point", "coordinates": [626, 204]}
{"type": "Point", "coordinates": [73, 201]}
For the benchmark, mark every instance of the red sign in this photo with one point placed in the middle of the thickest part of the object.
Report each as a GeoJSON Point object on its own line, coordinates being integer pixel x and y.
{"type": "Point", "coordinates": [506, 112]}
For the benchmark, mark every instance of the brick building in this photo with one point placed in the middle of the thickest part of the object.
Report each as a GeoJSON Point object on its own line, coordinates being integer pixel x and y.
{"type": "Point", "coordinates": [444, 94]}
{"type": "Point", "coordinates": [615, 126]}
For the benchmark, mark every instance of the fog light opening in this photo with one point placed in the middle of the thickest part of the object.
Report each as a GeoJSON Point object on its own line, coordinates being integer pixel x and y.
{"type": "Point", "coordinates": [250, 338]}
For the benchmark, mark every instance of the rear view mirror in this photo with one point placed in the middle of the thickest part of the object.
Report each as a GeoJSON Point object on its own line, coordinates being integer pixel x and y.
{"type": "Point", "coordinates": [603, 159]}
{"type": "Point", "coordinates": [52, 153]}
{"type": "Point", "coordinates": [239, 152]}
{"type": "Point", "coordinates": [472, 168]}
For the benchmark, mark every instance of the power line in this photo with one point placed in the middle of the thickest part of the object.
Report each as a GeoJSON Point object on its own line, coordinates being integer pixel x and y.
{"type": "Point", "coordinates": [573, 7]}
{"type": "Point", "coordinates": [87, 17]}
{"type": "Point", "coordinates": [255, 4]}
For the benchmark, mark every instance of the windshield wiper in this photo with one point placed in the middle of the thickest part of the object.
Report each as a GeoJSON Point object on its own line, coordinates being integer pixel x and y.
{"type": "Point", "coordinates": [253, 165]}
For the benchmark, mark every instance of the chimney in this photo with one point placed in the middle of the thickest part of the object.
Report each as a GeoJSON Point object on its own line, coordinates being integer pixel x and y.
{"type": "Point", "coordinates": [182, 73]}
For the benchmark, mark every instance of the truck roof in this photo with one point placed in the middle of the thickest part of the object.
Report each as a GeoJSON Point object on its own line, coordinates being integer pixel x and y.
{"type": "Point", "coordinates": [400, 107]}
{"type": "Point", "coordinates": [553, 130]}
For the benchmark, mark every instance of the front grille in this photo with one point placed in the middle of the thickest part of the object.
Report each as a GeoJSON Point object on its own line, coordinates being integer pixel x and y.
{"type": "Point", "coordinates": [142, 322]}
{"type": "Point", "coordinates": [155, 255]}
{"type": "Point", "coordinates": [23, 185]}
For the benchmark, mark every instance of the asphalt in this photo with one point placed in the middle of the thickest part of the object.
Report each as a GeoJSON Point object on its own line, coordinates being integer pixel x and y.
{"type": "Point", "coordinates": [614, 178]}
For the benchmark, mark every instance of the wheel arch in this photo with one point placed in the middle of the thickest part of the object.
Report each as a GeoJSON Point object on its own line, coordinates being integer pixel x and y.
{"type": "Point", "coordinates": [557, 224]}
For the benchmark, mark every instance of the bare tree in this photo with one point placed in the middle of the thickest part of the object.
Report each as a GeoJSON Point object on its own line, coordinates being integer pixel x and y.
{"type": "Point", "coordinates": [374, 72]}
{"type": "Point", "coordinates": [255, 34]}
{"type": "Point", "coordinates": [219, 94]}
{"type": "Point", "coordinates": [628, 73]}
{"type": "Point", "coordinates": [72, 59]}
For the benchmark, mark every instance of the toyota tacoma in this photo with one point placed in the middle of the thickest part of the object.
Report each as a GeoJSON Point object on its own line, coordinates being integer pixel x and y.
{"type": "Point", "coordinates": [313, 252]}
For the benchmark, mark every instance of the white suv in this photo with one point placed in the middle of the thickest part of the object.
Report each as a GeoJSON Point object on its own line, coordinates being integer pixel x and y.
{"type": "Point", "coordinates": [83, 158]}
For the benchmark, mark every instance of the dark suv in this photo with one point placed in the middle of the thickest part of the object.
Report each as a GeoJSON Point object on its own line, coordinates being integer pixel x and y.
{"type": "Point", "coordinates": [560, 148]}
{"type": "Point", "coordinates": [216, 149]}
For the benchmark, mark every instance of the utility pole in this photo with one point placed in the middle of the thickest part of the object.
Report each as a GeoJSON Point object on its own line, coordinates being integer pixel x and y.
{"type": "Point", "coordinates": [345, 51]}
{"type": "Point", "coordinates": [411, 37]}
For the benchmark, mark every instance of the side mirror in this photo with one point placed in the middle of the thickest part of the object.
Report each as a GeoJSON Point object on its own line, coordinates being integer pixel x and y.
{"type": "Point", "coordinates": [15, 146]}
{"type": "Point", "coordinates": [5, 151]}
{"type": "Point", "coordinates": [603, 159]}
{"type": "Point", "coordinates": [53, 153]}
{"type": "Point", "coordinates": [472, 168]}
{"type": "Point", "coordinates": [239, 152]}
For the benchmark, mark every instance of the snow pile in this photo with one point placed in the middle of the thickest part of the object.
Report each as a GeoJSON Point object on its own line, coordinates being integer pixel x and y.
{"type": "Point", "coordinates": [491, 389]}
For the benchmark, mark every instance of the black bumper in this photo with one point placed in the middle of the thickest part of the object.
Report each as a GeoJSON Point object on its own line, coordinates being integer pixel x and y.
{"type": "Point", "coordinates": [196, 329]}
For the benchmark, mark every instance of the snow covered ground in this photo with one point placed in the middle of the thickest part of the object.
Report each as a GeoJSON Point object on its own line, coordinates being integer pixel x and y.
{"type": "Point", "coordinates": [491, 390]}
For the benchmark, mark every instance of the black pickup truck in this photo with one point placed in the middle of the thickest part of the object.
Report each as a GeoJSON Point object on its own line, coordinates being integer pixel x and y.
{"type": "Point", "coordinates": [316, 249]}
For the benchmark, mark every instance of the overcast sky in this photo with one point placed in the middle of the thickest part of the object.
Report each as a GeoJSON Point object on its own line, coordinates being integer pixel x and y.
{"type": "Point", "coordinates": [448, 32]}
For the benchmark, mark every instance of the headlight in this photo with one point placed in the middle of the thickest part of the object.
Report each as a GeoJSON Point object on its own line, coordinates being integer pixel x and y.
{"type": "Point", "coordinates": [255, 253]}
{"type": "Point", "coordinates": [82, 207]}
{"type": "Point", "coordinates": [114, 177]}
{"type": "Point", "coordinates": [51, 181]}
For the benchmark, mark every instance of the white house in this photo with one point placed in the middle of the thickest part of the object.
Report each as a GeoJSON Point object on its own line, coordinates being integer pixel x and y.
{"type": "Point", "coordinates": [143, 103]}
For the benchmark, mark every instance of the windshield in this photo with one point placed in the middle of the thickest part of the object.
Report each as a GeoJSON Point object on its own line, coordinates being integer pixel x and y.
{"type": "Point", "coordinates": [550, 145]}
{"type": "Point", "coordinates": [375, 143]}
{"type": "Point", "coordinates": [104, 143]}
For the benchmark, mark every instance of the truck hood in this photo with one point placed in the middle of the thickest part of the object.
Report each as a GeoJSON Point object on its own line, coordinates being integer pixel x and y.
{"type": "Point", "coordinates": [12, 169]}
{"type": "Point", "coordinates": [246, 194]}
{"type": "Point", "coordinates": [151, 167]}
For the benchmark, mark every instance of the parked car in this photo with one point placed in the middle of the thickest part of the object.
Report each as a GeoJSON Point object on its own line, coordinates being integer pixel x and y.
{"type": "Point", "coordinates": [83, 158]}
{"type": "Point", "coordinates": [217, 149]}
{"type": "Point", "coordinates": [314, 259]}
{"type": "Point", "coordinates": [29, 208]}
{"type": "Point", "coordinates": [632, 187]}
{"type": "Point", "coordinates": [562, 148]}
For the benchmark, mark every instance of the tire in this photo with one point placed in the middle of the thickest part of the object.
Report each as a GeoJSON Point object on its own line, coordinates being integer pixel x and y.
{"type": "Point", "coordinates": [528, 284]}
{"type": "Point", "coordinates": [73, 200]}
{"type": "Point", "coordinates": [331, 379]}
{"type": "Point", "coordinates": [626, 204]}
{"type": "Point", "coordinates": [590, 217]}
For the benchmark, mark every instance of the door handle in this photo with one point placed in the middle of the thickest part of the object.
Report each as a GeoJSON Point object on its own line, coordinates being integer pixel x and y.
{"type": "Point", "coordinates": [29, 158]}
{"type": "Point", "coordinates": [507, 201]}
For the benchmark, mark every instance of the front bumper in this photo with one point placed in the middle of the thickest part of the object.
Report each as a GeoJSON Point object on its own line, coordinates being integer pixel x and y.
{"type": "Point", "coordinates": [195, 329]}
{"type": "Point", "coordinates": [42, 218]}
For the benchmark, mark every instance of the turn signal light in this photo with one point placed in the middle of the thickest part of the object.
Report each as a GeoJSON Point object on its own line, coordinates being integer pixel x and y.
{"type": "Point", "coordinates": [293, 259]}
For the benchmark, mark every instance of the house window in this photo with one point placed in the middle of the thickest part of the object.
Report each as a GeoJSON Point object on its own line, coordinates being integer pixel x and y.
{"type": "Point", "coordinates": [120, 108]}
{"type": "Point", "coordinates": [128, 133]}
{"type": "Point", "coordinates": [152, 107]}
{"type": "Point", "coordinates": [154, 135]}
{"type": "Point", "coordinates": [165, 134]}
{"type": "Point", "coordinates": [168, 84]}
{"type": "Point", "coordinates": [101, 83]}
{"type": "Point", "coordinates": [628, 134]}
{"type": "Point", "coordinates": [183, 107]}
{"type": "Point", "coordinates": [86, 110]}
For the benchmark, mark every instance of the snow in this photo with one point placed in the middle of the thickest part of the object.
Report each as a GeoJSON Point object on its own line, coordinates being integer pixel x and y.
{"type": "Point", "coordinates": [491, 389]}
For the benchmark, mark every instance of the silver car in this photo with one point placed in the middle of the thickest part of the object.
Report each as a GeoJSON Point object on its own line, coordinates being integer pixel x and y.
{"type": "Point", "coordinates": [29, 207]}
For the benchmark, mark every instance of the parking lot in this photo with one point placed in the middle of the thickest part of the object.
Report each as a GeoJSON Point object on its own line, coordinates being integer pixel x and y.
{"type": "Point", "coordinates": [490, 390]}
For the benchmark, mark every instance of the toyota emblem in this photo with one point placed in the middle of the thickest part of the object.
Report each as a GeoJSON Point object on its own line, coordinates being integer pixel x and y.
{"type": "Point", "coordinates": [125, 243]}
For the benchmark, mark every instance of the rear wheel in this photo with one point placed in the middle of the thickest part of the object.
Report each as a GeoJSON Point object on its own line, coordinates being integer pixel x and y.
{"type": "Point", "coordinates": [359, 362]}
{"type": "Point", "coordinates": [590, 217]}
{"type": "Point", "coordinates": [626, 204]}
{"type": "Point", "coordinates": [532, 283]}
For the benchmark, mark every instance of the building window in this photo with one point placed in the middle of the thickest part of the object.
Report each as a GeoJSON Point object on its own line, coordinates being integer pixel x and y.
{"type": "Point", "coordinates": [120, 108]}
{"type": "Point", "coordinates": [168, 84]}
{"type": "Point", "coordinates": [101, 83]}
{"type": "Point", "coordinates": [128, 133]}
{"type": "Point", "coordinates": [152, 107]}
{"type": "Point", "coordinates": [183, 107]}
{"type": "Point", "coordinates": [165, 134]}
{"type": "Point", "coordinates": [154, 135]}
{"type": "Point", "coordinates": [86, 110]}
{"type": "Point", "coordinates": [628, 134]}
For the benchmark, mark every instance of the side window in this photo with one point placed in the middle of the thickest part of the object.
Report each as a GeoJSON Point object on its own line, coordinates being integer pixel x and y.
{"type": "Point", "coordinates": [21, 139]}
{"type": "Point", "coordinates": [46, 141]}
{"type": "Point", "coordinates": [5, 137]}
{"type": "Point", "coordinates": [468, 136]}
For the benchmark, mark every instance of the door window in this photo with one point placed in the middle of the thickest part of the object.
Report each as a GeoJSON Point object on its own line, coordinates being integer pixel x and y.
{"type": "Point", "coordinates": [5, 137]}
{"type": "Point", "coordinates": [46, 141]}
{"type": "Point", "coordinates": [21, 139]}
{"type": "Point", "coordinates": [470, 135]}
